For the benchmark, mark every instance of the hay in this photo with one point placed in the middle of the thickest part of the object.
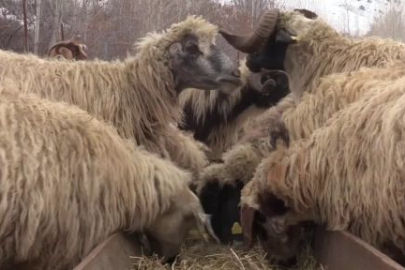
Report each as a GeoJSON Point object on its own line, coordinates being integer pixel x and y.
{"type": "Point", "coordinates": [197, 255]}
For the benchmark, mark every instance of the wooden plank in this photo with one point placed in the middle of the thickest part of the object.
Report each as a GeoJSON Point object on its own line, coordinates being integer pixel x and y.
{"type": "Point", "coordinates": [342, 250]}
{"type": "Point", "coordinates": [113, 253]}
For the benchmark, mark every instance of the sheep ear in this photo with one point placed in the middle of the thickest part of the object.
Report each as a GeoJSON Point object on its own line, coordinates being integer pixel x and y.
{"type": "Point", "coordinates": [283, 36]}
{"type": "Point", "coordinates": [247, 217]}
{"type": "Point", "coordinates": [204, 226]}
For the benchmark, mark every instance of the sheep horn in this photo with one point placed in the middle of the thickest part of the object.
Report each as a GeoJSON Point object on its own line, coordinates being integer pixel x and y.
{"type": "Point", "coordinates": [252, 42]}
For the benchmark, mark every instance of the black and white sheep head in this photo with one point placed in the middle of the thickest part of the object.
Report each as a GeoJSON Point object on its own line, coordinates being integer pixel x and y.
{"type": "Point", "coordinates": [267, 46]}
{"type": "Point", "coordinates": [202, 66]}
{"type": "Point", "coordinates": [169, 231]}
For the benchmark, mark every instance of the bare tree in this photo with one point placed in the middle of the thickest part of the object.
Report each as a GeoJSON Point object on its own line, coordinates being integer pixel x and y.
{"type": "Point", "coordinates": [38, 18]}
{"type": "Point", "coordinates": [391, 24]}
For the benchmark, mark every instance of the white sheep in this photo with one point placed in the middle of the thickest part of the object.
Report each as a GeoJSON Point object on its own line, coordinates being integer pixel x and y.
{"type": "Point", "coordinates": [348, 174]}
{"type": "Point", "coordinates": [140, 94]}
{"type": "Point", "coordinates": [308, 48]}
{"type": "Point", "coordinates": [217, 118]}
{"type": "Point", "coordinates": [68, 181]}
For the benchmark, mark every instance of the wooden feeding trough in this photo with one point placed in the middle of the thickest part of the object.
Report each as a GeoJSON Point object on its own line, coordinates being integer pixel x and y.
{"type": "Point", "coordinates": [333, 250]}
{"type": "Point", "coordinates": [112, 254]}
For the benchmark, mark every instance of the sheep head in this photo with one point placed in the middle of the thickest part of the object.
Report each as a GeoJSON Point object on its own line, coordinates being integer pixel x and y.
{"type": "Point", "coordinates": [188, 50]}
{"type": "Point", "coordinates": [278, 30]}
{"type": "Point", "coordinates": [70, 50]}
{"type": "Point", "coordinates": [262, 216]}
{"type": "Point", "coordinates": [169, 230]}
{"type": "Point", "coordinates": [194, 67]}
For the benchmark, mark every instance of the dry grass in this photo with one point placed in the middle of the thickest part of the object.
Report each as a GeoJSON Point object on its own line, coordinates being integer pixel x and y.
{"type": "Point", "coordinates": [197, 255]}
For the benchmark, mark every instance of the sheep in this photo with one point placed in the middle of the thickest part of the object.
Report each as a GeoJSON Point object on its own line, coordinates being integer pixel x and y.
{"type": "Point", "coordinates": [138, 95]}
{"type": "Point", "coordinates": [348, 174]}
{"type": "Point", "coordinates": [307, 48]}
{"type": "Point", "coordinates": [335, 92]}
{"type": "Point", "coordinates": [68, 180]}
{"type": "Point", "coordinates": [218, 118]}
{"type": "Point", "coordinates": [68, 49]}
{"type": "Point", "coordinates": [220, 183]}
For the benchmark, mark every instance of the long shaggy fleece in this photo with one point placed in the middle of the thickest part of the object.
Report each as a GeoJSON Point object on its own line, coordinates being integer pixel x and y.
{"type": "Point", "coordinates": [68, 181]}
{"type": "Point", "coordinates": [350, 172]}
{"type": "Point", "coordinates": [136, 95]}
{"type": "Point", "coordinates": [321, 51]}
{"type": "Point", "coordinates": [333, 93]}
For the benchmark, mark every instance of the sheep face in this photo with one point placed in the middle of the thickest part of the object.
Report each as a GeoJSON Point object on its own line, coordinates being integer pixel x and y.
{"type": "Point", "coordinates": [275, 51]}
{"type": "Point", "coordinates": [168, 232]}
{"type": "Point", "coordinates": [69, 50]}
{"type": "Point", "coordinates": [281, 243]}
{"type": "Point", "coordinates": [280, 240]}
{"type": "Point", "coordinates": [270, 52]}
{"type": "Point", "coordinates": [202, 66]}
{"type": "Point", "coordinates": [222, 203]}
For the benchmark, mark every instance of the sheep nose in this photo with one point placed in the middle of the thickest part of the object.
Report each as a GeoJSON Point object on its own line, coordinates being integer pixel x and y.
{"type": "Point", "coordinates": [236, 73]}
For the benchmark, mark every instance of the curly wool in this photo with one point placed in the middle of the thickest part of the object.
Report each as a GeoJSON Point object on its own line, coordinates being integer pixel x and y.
{"type": "Point", "coordinates": [68, 181]}
{"type": "Point", "coordinates": [350, 172]}
{"type": "Point", "coordinates": [136, 95]}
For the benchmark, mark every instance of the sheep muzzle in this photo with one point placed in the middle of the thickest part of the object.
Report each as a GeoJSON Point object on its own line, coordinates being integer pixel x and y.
{"type": "Point", "coordinates": [255, 40]}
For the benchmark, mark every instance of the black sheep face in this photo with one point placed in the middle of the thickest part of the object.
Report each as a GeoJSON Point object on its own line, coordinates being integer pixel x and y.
{"type": "Point", "coordinates": [222, 203]}
{"type": "Point", "coordinates": [272, 54]}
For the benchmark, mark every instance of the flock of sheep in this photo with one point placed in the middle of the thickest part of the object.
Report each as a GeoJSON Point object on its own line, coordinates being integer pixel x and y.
{"type": "Point", "coordinates": [309, 127]}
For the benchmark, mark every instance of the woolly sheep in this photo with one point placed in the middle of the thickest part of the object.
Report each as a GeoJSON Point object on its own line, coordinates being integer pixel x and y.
{"type": "Point", "coordinates": [307, 48]}
{"type": "Point", "coordinates": [334, 93]}
{"type": "Point", "coordinates": [219, 185]}
{"type": "Point", "coordinates": [138, 95]}
{"type": "Point", "coordinates": [217, 119]}
{"type": "Point", "coordinates": [69, 49]}
{"type": "Point", "coordinates": [69, 180]}
{"type": "Point", "coordinates": [352, 189]}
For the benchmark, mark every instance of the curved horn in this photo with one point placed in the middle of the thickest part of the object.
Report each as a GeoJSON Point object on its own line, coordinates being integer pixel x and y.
{"type": "Point", "coordinates": [252, 42]}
